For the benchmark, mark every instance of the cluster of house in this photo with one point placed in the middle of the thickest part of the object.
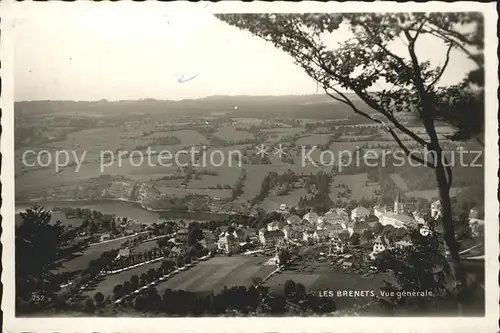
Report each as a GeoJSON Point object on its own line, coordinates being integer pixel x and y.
{"type": "Point", "coordinates": [381, 244]}
{"type": "Point", "coordinates": [315, 227]}
{"type": "Point", "coordinates": [232, 241]}
{"type": "Point", "coordinates": [128, 228]}
{"type": "Point", "coordinates": [331, 225]}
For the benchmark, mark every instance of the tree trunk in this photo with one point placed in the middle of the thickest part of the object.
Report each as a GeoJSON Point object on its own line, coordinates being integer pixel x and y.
{"type": "Point", "coordinates": [447, 218]}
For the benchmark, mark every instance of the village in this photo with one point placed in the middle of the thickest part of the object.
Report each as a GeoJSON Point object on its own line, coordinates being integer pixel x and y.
{"type": "Point", "coordinates": [121, 265]}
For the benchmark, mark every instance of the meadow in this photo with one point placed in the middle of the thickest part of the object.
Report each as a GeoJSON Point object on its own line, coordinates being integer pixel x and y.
{"type": "Point", "coordinates": [330, 281]}
{"type": "Point", "coordinates": [272, 202]}
{"type": "Point", "coordinates": [358, 183]}
{"type": "Point", "coordinates": [212, 275]}
{"type": "Point", "coordinates": [315, 139]}
{"type": "Point", "coordinates": [187, 137]}
{"type": "Point", "coordinates": [430, 194]}
{"type": "Point", "coordinates": [230, 134]}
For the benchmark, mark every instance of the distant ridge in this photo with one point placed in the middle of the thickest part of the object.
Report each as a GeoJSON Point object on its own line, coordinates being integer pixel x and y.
{"type": "Point", "coordinates": [303, 106]}
{"type": "Point", "coordinates": [318, 97]}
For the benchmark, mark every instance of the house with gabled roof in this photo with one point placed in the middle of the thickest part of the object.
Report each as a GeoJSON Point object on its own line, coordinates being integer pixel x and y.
{"type": "Point", "coordinates": [292, 232]}
{"type": "Point", "coordinates": [332, 217]}
{"type": "Point", "coordinates": [333, 230]}
{"type": "Point", "coordinates": [312, 217]}
{"type": "Point", "coordinates": [359, 213]}
{"type": "Point", "coordinates": [380, 244]}
{"type": "Point", "coordinates": [270, 238]}
{"type": "Point", "coordinates": [227, 243]}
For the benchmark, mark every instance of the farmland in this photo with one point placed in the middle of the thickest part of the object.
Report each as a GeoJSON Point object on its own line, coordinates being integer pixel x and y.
{"type": "Point", "coordinates": [212, 275]}
{"type": "Point", "coordinates": [358, 183]}
{"type": "Point", "coordinates": [316, 139]}
{"type": "Point", "coordinates": [230, 134]}
{"type": "Point", "coordinates": [330, 281]}
{"type": "Point", "coordinates": [148, 183]}
{"type": "Point", "coordinates": [431, 194]}
{"type": "Point", "coordinates": [399, 181]}
{"type": "Point", "coordinates": [272, 202]}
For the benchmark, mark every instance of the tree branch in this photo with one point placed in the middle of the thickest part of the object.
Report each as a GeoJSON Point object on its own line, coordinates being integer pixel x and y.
{"type": "Point", "coordinates": [447, 59]}
{"type": "Point", "coordinates": [384, 48]}
{"type": "Point", "coordinates": [346, 101]}
{"type": "Point", "coordinates": [462, 48]}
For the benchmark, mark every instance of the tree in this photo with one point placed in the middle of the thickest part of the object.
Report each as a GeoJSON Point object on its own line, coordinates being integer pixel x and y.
{"type": "Point", "coordinates": [167, 265]}
{"type": "Point", "coordinates": [420, 267]}
{"type": "Point", "coordinates": [194, 235]}
{"type": "Point", "coordinates": [377, 228]}
{"type": "Point", "coordinates": [180, 261]}
{"type": "Point", "coordinates": [151, 273]}
{"type": "Point", "coordinates": [40, 247]}
{"type": "Point", "coordinates": [365, 60]}
{"type": "Point", "coordinates": [127, 288]}
{"type": "Point", "coordinates": [98, 298]}
{"type": "Point", "coordinates": [300, 290]}
{"type": "Point", "coordinates": [283, 256]}
{"type": "Point", "coordinates": [355, 239]}
{"type": "Point", "coordinates": [92, 227]}
{"type": "Point", "coordinates": [289, 288]}
{"type": "Point", "coordinates": [117, 291]}
{"type": "Point", "coordinates": [367, 235]}
{"type": "Point", "coordinates": [144, 279]}
{"type": "Point", "coordinates": [134, 281]}
{"type": "Point", "coordinates": [89, 305]}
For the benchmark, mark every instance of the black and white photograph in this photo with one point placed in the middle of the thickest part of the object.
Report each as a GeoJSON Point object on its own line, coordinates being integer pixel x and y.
{"type": "Point", "coordinates": [250, 161]}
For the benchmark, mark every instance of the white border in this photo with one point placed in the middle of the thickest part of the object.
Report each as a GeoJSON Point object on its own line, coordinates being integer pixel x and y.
{"type": "Point", "coordinates": [286, 324]}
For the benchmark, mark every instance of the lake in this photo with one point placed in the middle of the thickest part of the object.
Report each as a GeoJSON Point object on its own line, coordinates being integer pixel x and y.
{"type": "Point", "coordinates": [130, 210]}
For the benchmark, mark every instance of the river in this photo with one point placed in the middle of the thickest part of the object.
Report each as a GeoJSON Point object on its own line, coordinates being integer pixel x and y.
{"type": "Point", "coordinates": [130, 210]}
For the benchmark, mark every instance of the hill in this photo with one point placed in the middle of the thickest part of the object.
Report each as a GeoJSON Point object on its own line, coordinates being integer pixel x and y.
{"type": "Point", "coordinates": [307, 106]}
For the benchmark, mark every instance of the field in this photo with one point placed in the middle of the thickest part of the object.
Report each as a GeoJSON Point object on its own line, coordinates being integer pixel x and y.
{"type": "Point", "coordinates": [212, 275]}
{"type": "Point", "coordinates": [399, 181]}
{"type": "Point", "coordinates": [316, 139]}
{"type": "Point", "coordinates": [330, 281]}
{"type": "Point", "coordinates": [106, 285]}
{"type": "Point", "coordinates": [187, 137]}
{"type": "Point", "coordinates": [272, 202]}
{"type": "Point", "coordinates": [255, 175]}
{"type": "Point", "coordinates": [281, 134]}
{"type": "Point", "coordinates": [248, 121]}
{"type": "Point", "coordinates": [358, 183]}
{"type": "Point", "coordinates": [431, 194]}
{"type": "Point", "coordinates": [230, 134]}
{"type": "Point", "coordinates": [92, 253]}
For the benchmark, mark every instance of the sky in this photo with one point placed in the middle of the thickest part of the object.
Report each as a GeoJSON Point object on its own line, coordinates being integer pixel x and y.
{"type": "Point", "coordinates": [97, 53]}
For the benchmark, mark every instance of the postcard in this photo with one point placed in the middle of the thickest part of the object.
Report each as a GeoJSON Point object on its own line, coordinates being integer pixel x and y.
{"type": "Point", "coordinates": [272, 167]}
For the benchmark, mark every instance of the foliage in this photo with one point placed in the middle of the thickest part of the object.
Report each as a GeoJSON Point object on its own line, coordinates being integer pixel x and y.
{"type": "Point", "coordinates": [421, 267]}
{"type": "Point", "coordinates": [41, 247]}
{"type": "Point", "coordinates": [366, 59]}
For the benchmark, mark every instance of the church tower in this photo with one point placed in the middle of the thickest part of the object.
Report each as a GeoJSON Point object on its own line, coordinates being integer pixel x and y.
{"type": "Point", "coordinates": [399, 207]}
